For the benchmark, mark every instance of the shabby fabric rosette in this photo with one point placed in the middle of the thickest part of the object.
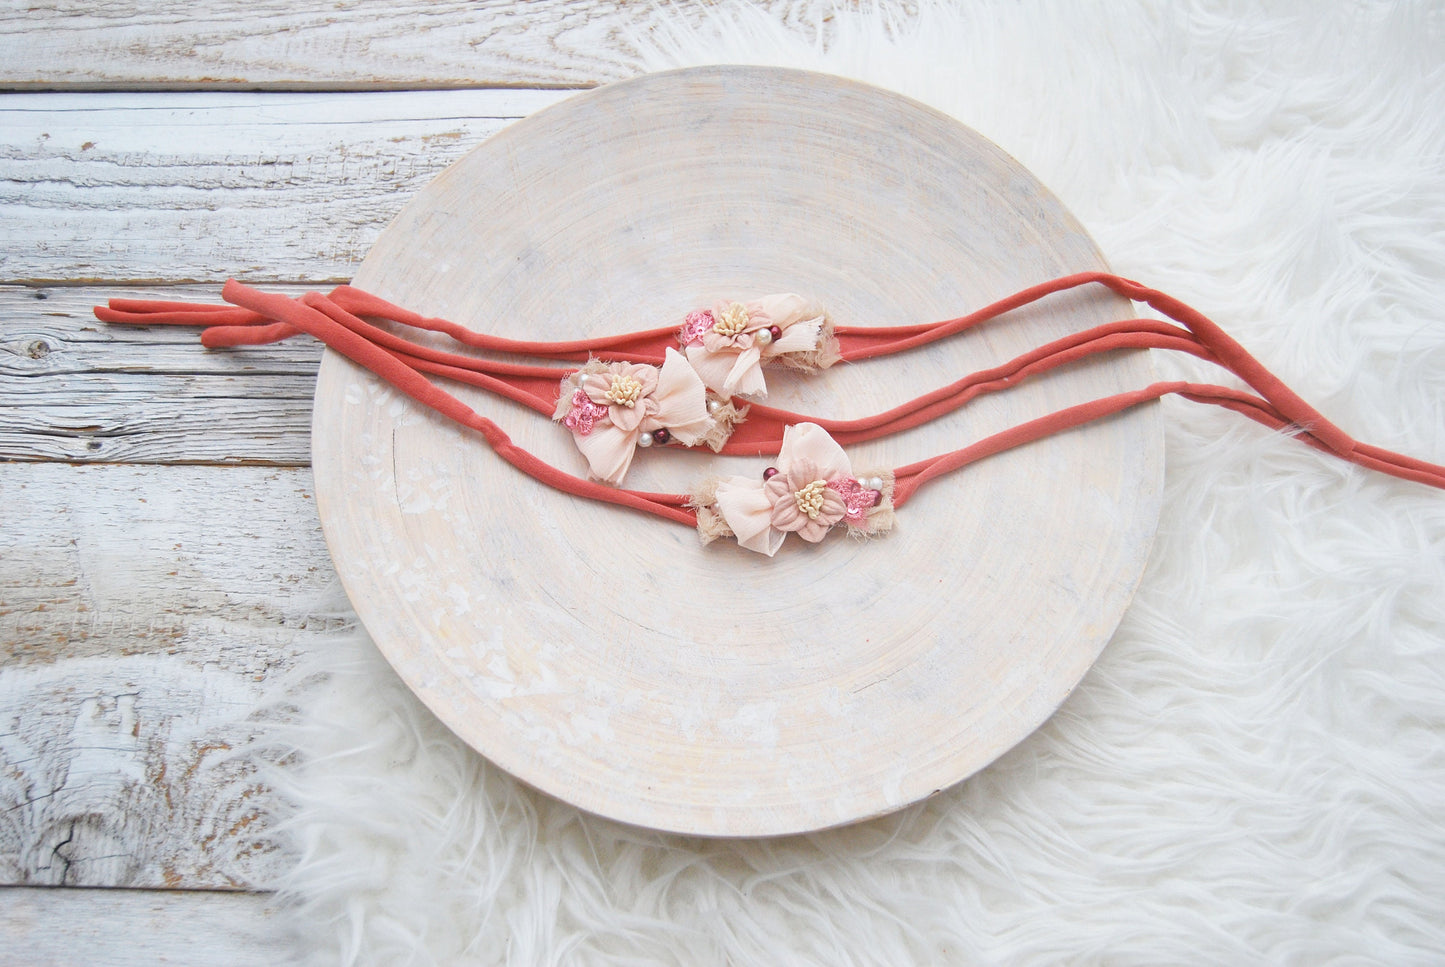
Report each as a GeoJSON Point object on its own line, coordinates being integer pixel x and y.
{"type": "Point", "coordinates": [809, 490]}
{"type": "Point", "coordinates": [613, 408]}
{"type": "Point", "coordinates": [728, 344]}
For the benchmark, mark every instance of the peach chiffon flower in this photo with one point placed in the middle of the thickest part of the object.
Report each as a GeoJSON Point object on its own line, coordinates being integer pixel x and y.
{"type": "Point", "coordinates": [638, 399]}
{"type": "Point", "coordinates": [796, 500]}
{"type": "Point", "coordinates": [729, 354]}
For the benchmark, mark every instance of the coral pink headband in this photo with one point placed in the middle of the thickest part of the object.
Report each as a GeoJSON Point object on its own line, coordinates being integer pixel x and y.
{"type": "Point", "coordinates": [682, 386]}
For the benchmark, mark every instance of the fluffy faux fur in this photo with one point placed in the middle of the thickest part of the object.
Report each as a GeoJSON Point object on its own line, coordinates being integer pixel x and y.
{"type": "Point", "coordinates": [1254, 771]}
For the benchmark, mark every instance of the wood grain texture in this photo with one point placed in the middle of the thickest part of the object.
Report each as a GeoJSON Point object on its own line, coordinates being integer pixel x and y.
{"type": "Point", "coordinates": [312, 44]}
{"type": "Point", "coordinates": [176, 187]}
{"type": "Point", "coordinates": [143, 928]}
{"type": "Point", "coordinates": [145, 615]}
{"type": "Point", "coordinates": [609, 659]}
{"type": "Point", "coordinates": [131, 671]}
{"type": "Point", "coordinates": [77, 390]}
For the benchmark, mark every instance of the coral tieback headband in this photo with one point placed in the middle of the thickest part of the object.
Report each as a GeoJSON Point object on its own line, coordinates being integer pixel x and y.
{"type": "Point", "coordinates": [697, 384]}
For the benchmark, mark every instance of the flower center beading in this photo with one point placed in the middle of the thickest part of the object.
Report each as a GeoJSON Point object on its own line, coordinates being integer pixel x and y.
{"type": "Point", "coordinates": [810, 498]}
{"type": "Point", "coordinates": [734, 320]}
{"type": "Point", "coordinates": [624, 390]}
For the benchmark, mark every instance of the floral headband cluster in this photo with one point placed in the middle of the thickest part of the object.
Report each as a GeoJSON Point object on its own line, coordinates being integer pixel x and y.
{"type": "Point", "coordinates": [686, 386]}
{"type": "Point", "coordinates": [612, 408]}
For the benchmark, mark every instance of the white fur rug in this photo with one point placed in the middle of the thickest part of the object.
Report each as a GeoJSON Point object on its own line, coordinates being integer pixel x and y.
{"type": "Point", "coordinates": [1254, 772]}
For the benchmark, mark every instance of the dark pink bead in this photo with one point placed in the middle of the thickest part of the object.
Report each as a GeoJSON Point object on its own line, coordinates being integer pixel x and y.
{"type": "Point", "coordinates": [660, 436]}
{"type": "Point", "coordinates": [770, 473]}
{"type": "Point", "coordinates": [776, 332]}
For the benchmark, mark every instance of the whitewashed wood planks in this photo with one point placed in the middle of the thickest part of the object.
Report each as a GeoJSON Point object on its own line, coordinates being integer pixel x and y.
{"type": "Point", "coordinates": [124, 188]}
{"type": "Point", "coordinates": [148, 615]}
{"type": "Point", "coordinates": [265, 187]}
{"type": "Point", "coordinates": [134, 667]}
{"type": "Point", "coordinates": [142, 928]}
{"type": "Point", "coordinates": [163, 189]}
{"type": "Point", "coordinates": [448, 43]}
{"type": "Point", "coordinates": [75, 389]}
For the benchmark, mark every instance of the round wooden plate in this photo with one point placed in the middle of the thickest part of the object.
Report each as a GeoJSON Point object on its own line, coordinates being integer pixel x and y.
{"type": "Point", "coordinates": [608, 658]}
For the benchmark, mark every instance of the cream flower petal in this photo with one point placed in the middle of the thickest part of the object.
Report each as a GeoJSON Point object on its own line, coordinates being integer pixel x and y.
{"type": "Point", "coordinates": [681, 401]}
{"type": "Point", "coordinates": [800, 337]}
{"type": "Point", "coordinates": [732, 374]}
{"type": "Point", "coordinates": [715, 343]}
{"type": "Point", "coordinates": [808, 443]}
{"type": "Point", "coordinates": [786, 308]}
{"type": "Point", "coordinates": [644, 374]}
{"type": "Point", "coordinates": [711, 368]}
{"type": "Point", "coordinates": [596, 385]}
{"type": "Point", "coordinates": [746, 376]}
{"type": "Point", "coordinates": [748, 511]}
{"type": "Point", "coordinates": [800, 320]}
{"type": "Point", "coordinates": [609, 452]}
{"type": "Point", "coordinates": [627, 418]}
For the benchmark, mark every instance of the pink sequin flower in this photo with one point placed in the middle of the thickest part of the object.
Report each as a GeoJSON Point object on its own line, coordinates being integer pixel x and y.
{"type": "Point", "coordinates": [857, 499]}
{"type": "Point", "coordinates": [583, 416]}
{"type": "Point", "coordinates": [694, 327]}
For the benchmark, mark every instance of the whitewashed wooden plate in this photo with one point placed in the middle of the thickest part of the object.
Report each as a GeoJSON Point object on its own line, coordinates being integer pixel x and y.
{"type": "Point", "coordinates": [609, 659]}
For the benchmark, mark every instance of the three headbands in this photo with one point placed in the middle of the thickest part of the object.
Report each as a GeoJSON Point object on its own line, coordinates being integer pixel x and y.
{"type": "Point", "coordinates": [682, 386]}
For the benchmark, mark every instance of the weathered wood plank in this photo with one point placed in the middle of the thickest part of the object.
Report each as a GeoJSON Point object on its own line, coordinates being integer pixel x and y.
{"type": "Point", "coordinates": [77, 390]}
{"type": "Point", "coordinates": [175, 187]}
{"type": "Point", "coordinates": [230, 43]}
{"type": "Point", "coordinates": [141, 928]}
{"type": "Point", "coordinates": [98, 418]}
{"type": "Point", "coordinates": [52, 331]}
{"type": "Point", "coordinates": [146, 614]}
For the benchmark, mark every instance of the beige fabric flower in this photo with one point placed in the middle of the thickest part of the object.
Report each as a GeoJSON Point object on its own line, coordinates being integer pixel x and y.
{"type": "Point", "coordinates": [637, 399]}
{"type": "Point", "coordinates": [795, 500]}
{"type": "Point", "coordinates": [626, 390]}
{"type": "Point", "coordinates": [803, 503]}
{"type": "Point", "coordinates": [730, 355]}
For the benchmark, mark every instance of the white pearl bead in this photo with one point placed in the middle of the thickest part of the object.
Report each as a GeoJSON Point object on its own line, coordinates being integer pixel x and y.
{"type": "Point", "coordinates": [645, 439]}
{"type": "Point", "coordinates": [875, 483]}
{"type": "Point", "coordinates": [763, 337]}
{"type": "Point", "coordinates": [714, 405]}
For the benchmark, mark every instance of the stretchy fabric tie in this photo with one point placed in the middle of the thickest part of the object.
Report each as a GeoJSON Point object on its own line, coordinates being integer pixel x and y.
{"type": "Point", "coordinates": [616, 365]}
